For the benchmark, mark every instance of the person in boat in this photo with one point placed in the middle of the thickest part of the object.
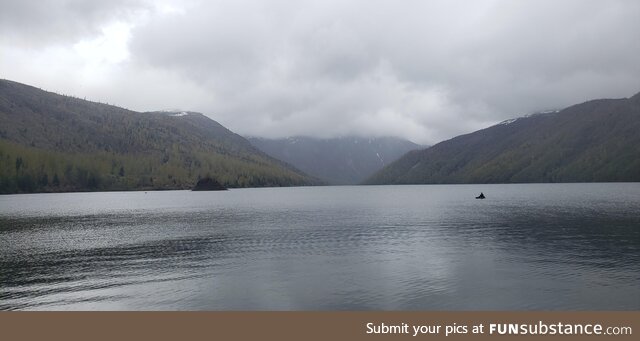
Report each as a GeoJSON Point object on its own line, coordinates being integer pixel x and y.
{"type": "Point", "coordinates": [481, 196]}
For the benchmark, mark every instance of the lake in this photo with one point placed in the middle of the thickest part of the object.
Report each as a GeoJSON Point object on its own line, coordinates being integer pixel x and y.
{"type": "Point", "coordinates": [431, 247]}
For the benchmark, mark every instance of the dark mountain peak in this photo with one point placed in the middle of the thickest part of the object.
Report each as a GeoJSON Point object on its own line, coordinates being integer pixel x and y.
{"type": "Point", "coordinates": [339, 160]}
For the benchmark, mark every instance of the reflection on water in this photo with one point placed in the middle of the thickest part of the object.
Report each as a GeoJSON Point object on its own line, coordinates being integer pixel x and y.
{"type": "Point", "coordinates": [542, 246]}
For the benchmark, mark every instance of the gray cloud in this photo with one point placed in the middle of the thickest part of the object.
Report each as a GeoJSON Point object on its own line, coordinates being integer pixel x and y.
{"type": "Point", "coordinates": [37, 22]}
{"type": "Point", "coordinates": [424, 70]}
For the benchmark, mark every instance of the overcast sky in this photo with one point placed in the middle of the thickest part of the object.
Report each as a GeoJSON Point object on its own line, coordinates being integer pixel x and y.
{"type": "Point", "coordinates": [423, 70]}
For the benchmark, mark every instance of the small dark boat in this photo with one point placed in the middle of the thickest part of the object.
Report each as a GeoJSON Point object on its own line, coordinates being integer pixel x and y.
{"type": "Point", "coordinates": [481, 196]}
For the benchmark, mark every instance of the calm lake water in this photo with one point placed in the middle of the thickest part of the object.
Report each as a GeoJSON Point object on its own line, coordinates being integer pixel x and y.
{"type": "Point", "coordinates": [535, 246]}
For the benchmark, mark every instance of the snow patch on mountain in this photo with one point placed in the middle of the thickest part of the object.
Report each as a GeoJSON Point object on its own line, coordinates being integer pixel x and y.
{"type": "Point", "coordinates": [509, 121]}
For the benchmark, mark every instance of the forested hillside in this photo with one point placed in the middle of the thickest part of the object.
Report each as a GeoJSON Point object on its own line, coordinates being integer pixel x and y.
{"type": "Point", "coordinates": [596, 141]}
{"type": "Point", "coordinates": [50, 142]}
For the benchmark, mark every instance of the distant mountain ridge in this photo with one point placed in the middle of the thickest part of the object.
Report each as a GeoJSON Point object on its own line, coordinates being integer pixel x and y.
{"type": "Point", "coordinates": [337, 161]}
{"type": "Point", "coordinates": [50, 142]}
{"type": "Point", "coordinates": [596, 141]}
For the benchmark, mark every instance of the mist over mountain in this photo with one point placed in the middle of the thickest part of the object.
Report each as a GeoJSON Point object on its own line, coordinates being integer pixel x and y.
{"type": "Point", "coordinates": [596, 141]}
{"type": "Point", "coordinates": [338, 161]}
{"type": "Point", "coordinates": [50, 142]}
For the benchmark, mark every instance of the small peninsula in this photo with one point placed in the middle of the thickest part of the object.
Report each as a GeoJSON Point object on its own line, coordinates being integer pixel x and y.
{"type": "Point", "coordinates": [208, 184]}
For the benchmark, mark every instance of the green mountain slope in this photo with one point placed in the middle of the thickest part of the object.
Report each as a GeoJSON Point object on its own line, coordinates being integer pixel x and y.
{"type": "Point", "coordinates": [338, 161]}
{"type": "Point", "coordinates": [596, 141]}
{"type": "Point", "coordinates": [50, 142]}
